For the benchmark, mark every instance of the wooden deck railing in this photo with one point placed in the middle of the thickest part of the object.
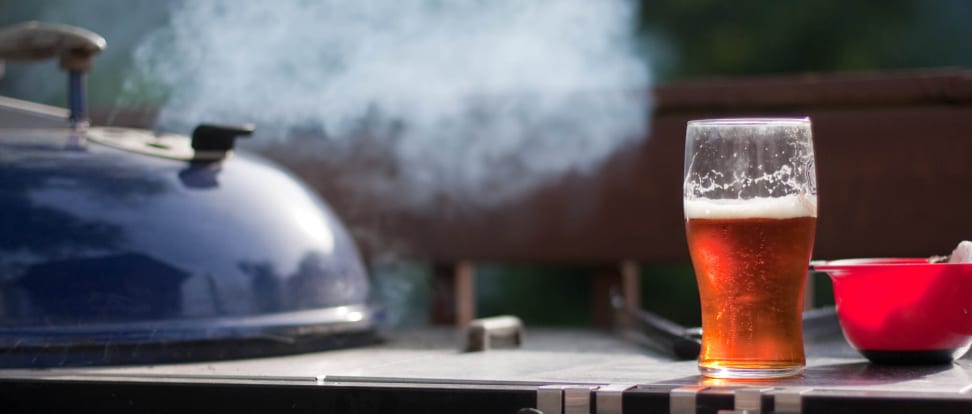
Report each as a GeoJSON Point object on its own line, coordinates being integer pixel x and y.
{"type": "Point", "coordinates": [894, 163]}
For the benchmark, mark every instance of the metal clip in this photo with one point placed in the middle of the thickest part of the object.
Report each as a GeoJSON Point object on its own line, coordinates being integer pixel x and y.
{"type": "Point", "coordinates": [682, 399]}
{"type": "Point", "coordinates": [749, 400]}
{"type": "Point", "coordinates": [577, 399]}
{"type": "Point", "coordinates": [609, 398]}
{"type": "Point", "coordinates": [789, 400]}
{"type": "Point", "coordinates": [550, 399]}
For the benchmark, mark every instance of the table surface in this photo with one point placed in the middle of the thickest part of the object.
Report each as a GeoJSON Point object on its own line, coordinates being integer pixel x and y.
{"type": "Point", "coordinates": [546, 357]}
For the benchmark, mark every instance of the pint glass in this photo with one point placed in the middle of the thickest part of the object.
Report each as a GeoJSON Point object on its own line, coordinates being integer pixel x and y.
{"type": "Point", "coordinates": [750, 207]}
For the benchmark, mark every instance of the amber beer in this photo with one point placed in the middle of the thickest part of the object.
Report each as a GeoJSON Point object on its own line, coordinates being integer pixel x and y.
{"type": "Point", "coordinates": [750, 258]}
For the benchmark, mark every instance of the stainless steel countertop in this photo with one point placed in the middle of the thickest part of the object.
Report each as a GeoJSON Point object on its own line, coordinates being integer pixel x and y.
{"type": "Point", "coordinates": [547, 357]}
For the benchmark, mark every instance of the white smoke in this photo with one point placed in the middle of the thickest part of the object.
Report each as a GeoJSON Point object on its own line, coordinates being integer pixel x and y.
{"type": "Point", "coordinates": [465, 96]}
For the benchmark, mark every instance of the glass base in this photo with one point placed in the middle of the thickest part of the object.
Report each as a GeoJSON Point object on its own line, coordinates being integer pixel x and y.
{"type": "Point", "coordinates": [749, 373]}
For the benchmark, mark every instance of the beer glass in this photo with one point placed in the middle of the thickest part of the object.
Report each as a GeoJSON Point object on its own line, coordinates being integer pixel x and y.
{"type": "Point", "coordinates": [750, 207]}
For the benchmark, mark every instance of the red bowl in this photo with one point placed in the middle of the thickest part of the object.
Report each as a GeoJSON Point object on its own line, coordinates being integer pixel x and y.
{"type": "Point", "coordinates": [903, 311]}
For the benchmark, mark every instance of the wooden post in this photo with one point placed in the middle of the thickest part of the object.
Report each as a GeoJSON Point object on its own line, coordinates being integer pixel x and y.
{"type": "Point", "coordinates": [465, 293]}
{"type": "Point", "coordinates": [624, 276]}
{"type": "Point", "coordinates": [630, 288]}
{"type": "Point", "coordinates": [453, 293]}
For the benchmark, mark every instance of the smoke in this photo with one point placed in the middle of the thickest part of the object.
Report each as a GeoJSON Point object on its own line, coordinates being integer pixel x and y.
{"type": "Point", "coordinates": [463, 97]}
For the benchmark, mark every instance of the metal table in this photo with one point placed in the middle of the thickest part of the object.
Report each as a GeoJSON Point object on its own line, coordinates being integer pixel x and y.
{"type": "Point", "coordinates": [555, 371]}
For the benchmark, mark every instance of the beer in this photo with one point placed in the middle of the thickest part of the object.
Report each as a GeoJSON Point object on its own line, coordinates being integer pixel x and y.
{"type": "Point", "coordinates": [750, 258]}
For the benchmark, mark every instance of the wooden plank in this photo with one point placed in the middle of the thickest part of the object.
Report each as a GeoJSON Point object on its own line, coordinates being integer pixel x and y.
{"type": "Point", "coordinates": [815, 90]}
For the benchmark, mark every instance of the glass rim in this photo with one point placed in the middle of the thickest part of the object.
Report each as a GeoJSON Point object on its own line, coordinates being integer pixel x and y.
{"type": "Point", "coordinates": [750, 121]}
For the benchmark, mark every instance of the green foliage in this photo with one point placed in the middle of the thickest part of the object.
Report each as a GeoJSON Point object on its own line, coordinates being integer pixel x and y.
{"type": "Point", "coordinates": [539, 295]}
{"type": "Point", "coordinates": [683, 39]}
{"type": "Point", "coordinates": [670, 290]}
{"type": "Point", "coordinates": [719, 38]}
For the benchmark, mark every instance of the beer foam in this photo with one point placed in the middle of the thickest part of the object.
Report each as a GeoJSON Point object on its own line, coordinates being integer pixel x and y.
{"type": "Point", "coordinates": [801, 205]}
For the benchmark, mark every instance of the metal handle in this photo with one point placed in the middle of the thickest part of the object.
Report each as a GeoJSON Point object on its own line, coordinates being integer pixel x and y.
{"type": "Point", "coordinates": [213, 142]}
{"type": "Point", "coordinates": [74, 46]}
{"type": "Point", "coordinates": [496, 332]}
{"type": "Point", "coordinates": [659, 333]}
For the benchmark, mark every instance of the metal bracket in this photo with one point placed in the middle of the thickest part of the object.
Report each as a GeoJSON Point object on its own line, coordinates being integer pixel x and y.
{"type": "Point", "coordinates": [577, 399]}
{"type": "Point", "coordinates": [789, 400]}
{"type": "Point", "coordinates": [609, 398]}
{"type": "Point", "coordinates": [682, 399]}
{"type": "Point", "coordinates": [565, 399]}
{"type": "Point", "coordinates": [748, 400]}
{"type": "Point", "coordinates": [550, 399]}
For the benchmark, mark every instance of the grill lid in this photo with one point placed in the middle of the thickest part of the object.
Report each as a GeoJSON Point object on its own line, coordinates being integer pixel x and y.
{"type": "Point", "coordinates": [127, 246]}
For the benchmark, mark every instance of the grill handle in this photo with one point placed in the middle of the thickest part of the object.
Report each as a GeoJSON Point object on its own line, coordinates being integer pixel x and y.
{"type": "Point", "coordinates": [74, 48]}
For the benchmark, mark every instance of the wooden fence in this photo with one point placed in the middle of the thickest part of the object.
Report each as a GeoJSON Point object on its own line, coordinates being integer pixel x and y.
{"type": "Point", "coordinates": [894, 163]}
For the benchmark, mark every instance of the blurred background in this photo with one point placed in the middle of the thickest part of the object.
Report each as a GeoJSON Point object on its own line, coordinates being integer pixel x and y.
{"type": "Point", "coordinates": [399, 75]}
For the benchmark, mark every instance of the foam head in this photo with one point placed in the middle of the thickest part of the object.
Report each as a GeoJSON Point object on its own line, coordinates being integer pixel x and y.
{"type": "Point", "coordinates": [798, 205]}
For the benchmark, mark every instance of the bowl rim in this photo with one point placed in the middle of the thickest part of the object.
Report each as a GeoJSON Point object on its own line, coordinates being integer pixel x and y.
{"type": "Point", "coordinates": [878, 262]}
